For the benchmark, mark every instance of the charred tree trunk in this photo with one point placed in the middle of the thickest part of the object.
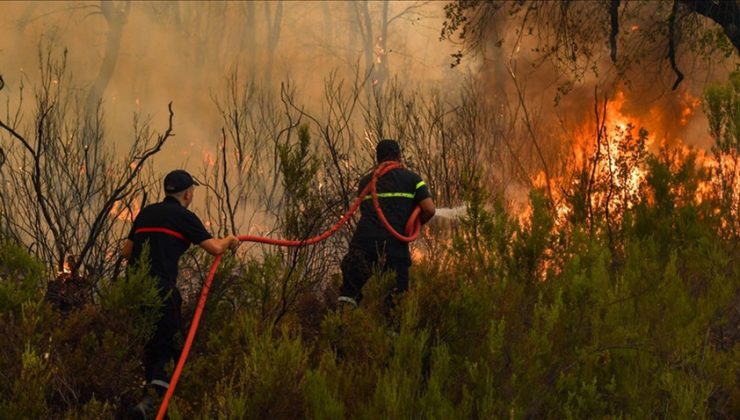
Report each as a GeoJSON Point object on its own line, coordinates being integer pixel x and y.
{"type": "Point", "coordinates": [249, 35]}
{"type": "Point", "coordinates": [328, 23]}
{"type": "Point", "coordinates": [352, 38]}
{"type": "Point", "coordinates": [365, 23]}
{"type": "Point", "coordinates": [274, 23]}
{"type": "Point", "coordinates": [381, 52]}
{"type": "Point", "coordinates": [116, 18]}
{"type": "Point", "coordinates": [726, 13]}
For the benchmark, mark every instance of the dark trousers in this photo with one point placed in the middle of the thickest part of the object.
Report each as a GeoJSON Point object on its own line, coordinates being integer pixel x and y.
{"type": "Point", "coordinates": [160, 349]}
{"type": "Point", "coordinates": [357, 268]}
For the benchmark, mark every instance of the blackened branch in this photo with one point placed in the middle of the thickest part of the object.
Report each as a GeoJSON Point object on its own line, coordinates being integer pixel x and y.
{"type": "Point", "coordinates": [726, 13]}
{"type": "Point", "coordinates": [672, 44]}
{"type": "Point", "coordinates": [614, 15]}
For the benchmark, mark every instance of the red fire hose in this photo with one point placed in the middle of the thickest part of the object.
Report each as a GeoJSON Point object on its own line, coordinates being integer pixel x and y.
{"type": "Point", "coordinates": [413, 228]}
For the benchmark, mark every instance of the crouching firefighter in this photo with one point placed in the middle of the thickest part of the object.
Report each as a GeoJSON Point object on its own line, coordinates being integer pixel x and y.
{"type": "Point", "coordinates": [168, 228]}
{"type": "Point", "coordinates": [399, 192]}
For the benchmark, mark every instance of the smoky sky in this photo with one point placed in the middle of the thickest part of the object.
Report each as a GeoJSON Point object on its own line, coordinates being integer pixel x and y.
{"type": "Point", "coordinates": [183, 52]}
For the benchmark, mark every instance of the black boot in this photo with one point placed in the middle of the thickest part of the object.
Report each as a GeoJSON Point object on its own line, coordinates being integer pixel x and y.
{"type": "Point", "coordinates": [145, 409]}
{"type": "Point", "coordinates": [148, 407]}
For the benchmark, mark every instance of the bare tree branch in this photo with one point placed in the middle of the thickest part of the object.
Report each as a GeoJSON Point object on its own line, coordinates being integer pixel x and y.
{"type": "Point", "coordinates": [529, 125]}
{"type": "Point", "coordinates": [225, 179]}
{"type": "Point", "coordinates": [672, 44]}
{"type": "Point", "coordinates": [119, 191]}
{"type": "Point", "coordinates": [726, 13]}
{"type": "Point", "coordinates": [614, 17]}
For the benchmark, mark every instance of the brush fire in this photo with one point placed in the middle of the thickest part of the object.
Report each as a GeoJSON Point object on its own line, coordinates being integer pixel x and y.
{"type": "Point", "coordinates": [370, 209]}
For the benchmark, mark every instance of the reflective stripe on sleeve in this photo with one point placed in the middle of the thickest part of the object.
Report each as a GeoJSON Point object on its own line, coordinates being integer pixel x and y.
{"type": "Point", "coordinates": [420, 184]}
{"type": "Point", "coordinates": [390, 194]}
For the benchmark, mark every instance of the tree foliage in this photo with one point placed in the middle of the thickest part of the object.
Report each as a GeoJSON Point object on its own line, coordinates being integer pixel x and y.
{"type": "Point", "coordinates": [575, 35]}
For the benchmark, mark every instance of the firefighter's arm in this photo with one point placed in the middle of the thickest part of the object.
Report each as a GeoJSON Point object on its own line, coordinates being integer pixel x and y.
{"type": "Point", "coordinates": [217, 246]}
{"type": "Point", "coordinates": [427, 210]}
{"type": "Point", "coordinates": [127, 248]}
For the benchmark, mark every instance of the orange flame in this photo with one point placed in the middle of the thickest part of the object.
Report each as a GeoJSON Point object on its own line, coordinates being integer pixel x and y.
{"type": "Point", "coordinates": [125, 212]}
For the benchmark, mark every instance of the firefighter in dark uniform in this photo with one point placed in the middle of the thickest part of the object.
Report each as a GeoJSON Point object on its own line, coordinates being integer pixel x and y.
{"type": "Point", "coordinates": [168, 228]}
{"type": "Point", "coordinates": [399, 191]}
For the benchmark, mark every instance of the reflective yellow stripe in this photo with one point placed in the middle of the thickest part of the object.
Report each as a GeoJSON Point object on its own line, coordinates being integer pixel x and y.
{"type": "Point", "coordinates": [420, 184]}
{"type": "Point", "coordinates": [390, 194]}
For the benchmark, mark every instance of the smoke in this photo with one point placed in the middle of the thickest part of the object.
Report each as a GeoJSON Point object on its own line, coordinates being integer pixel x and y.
{"type": "Point", "coordinates": [184, 52]}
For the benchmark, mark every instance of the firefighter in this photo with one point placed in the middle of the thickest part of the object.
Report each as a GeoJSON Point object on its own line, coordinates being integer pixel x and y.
{"type": "Point", "coordinates": [168, 228]}
{"type": "Point", "coordinates": [399, 192]}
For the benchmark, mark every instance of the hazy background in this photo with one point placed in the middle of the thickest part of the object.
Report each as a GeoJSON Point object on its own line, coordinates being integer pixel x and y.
{"type": "Point", "coordinates": [184, 51]}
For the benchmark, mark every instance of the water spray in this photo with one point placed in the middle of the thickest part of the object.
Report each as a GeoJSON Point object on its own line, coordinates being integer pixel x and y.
{"type": "Point", "coordinates": [452, 213]}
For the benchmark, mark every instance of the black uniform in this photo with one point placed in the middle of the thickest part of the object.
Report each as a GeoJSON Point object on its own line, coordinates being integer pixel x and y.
{"type": "Point", "coordinates": [399, 192]}
{"type": "Point", "coordinates": [169, 228]}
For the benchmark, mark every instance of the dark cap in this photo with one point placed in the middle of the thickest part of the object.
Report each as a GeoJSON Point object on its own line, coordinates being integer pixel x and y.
{"type": "Point", "coordinates": [178, 180]}
{"type": "Point", "coordinates": [387, 150]}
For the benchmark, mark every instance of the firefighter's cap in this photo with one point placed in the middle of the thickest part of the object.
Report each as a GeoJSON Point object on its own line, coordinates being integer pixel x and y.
{"type": "Point", "coordinates": [178, 180]}
{"type": "Point", "coordinates": [387, 150]}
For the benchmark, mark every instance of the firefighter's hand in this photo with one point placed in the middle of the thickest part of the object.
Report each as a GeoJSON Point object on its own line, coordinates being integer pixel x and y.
{"type": "Point", "coordinates": [234, 242]}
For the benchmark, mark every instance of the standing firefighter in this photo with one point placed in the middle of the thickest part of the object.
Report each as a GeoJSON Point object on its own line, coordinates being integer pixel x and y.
{"type": "Point", "coordinates": [168, 228]}
{"type": "Point", "coordinates": [399, 192]}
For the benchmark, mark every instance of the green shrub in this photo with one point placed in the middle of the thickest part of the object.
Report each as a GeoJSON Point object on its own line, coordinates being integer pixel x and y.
{"type": "Point", "coordinates": [321, 396]}
{"type": "Point", "coordinates": [246, 370]}
{"type": "Point", "coordinates": [28, 393]}
{"type": "Point", "coordinates": [21, 277]}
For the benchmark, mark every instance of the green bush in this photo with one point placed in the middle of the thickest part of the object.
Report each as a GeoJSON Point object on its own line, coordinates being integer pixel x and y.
{"type": "Point", "coordinates": [21, 277]}
{"type": "Point", "coordinates": [86, 362]}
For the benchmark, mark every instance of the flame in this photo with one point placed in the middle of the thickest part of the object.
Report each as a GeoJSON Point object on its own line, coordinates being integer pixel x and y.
{"type": "Point", "coordinates": [540, 180]}
{"type": "Point", "coordinates": [379, 50]}
{"type": "Point", "coordinates": [689, 106]}
{"type": "Point", "coordinates": [66, 268]}
{"type": "Point", "coordinates": [66, 272]}
{"type": "Point", "coordinates": [209, 159]}
{"type": "Point", "coordinates": [615, 150]}
{"type": "Point", "coordinates": [417, 256]}
{"type": "Point", "coordinates": [125, 212]}
{"type": "Point", "coordinates": [612, 162]}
